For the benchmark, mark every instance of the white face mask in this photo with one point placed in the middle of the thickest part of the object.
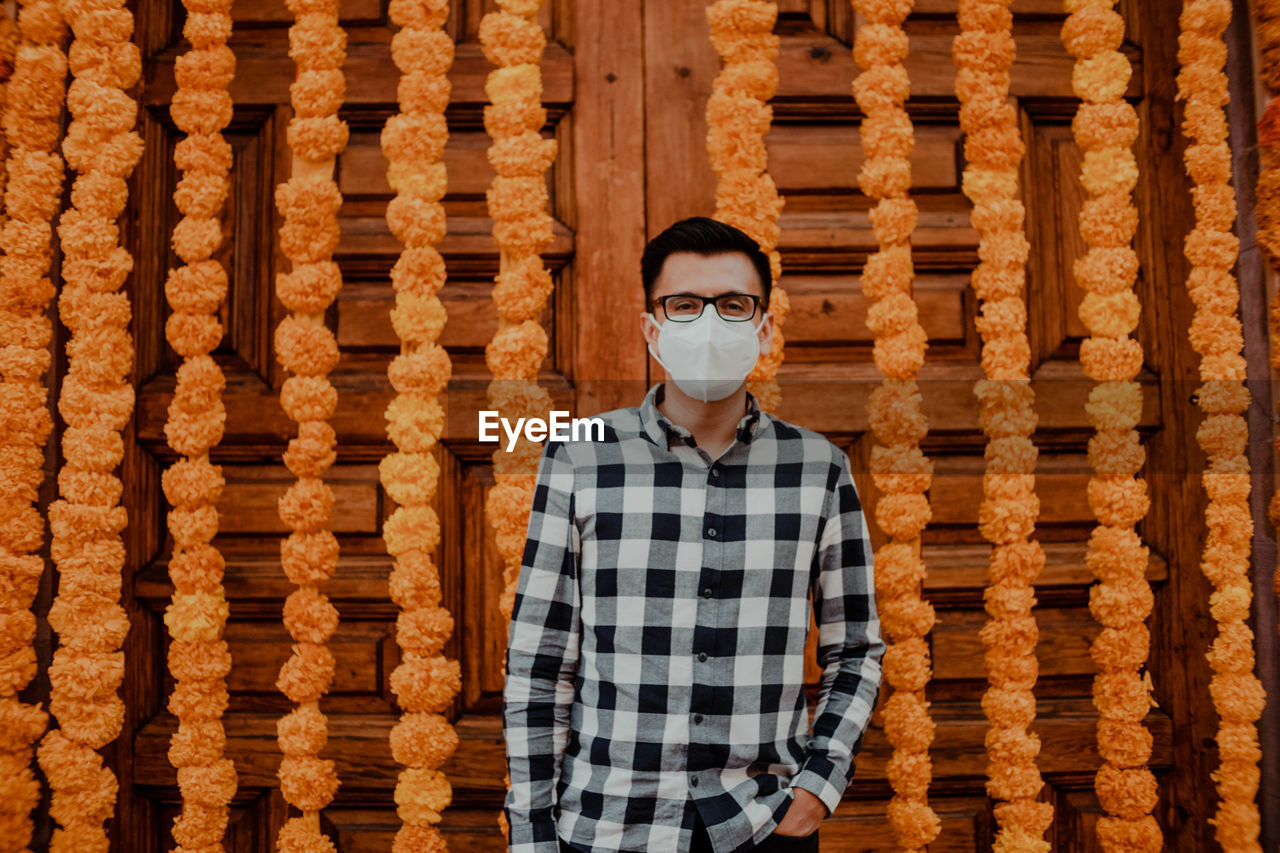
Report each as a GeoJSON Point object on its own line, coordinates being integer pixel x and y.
{"type": "Point", "coordinates": [709, 357]}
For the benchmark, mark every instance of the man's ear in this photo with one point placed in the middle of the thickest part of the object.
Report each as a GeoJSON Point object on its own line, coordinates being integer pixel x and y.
{"type": "Point", "coordinates": [648, 327]}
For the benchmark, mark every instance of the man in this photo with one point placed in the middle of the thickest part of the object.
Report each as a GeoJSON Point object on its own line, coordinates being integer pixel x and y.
{"type": "Point", "coordinates": [654, 697]}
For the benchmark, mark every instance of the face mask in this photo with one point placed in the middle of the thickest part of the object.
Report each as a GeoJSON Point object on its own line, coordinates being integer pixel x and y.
{"type": "Point", "coordinates": [709, 357]}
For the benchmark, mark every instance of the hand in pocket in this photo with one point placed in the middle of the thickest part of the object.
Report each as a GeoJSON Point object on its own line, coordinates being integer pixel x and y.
{"type": "Point", "coordinates": [802, 816]}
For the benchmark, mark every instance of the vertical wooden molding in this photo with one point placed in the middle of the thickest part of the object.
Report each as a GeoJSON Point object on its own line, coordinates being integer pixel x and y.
{"type": "Point", "coordinates": [1181, 625]}
{"type": "Point", "coordinates": [610, 183]}
{"type": "Point", "coordinates": [1256, 285]}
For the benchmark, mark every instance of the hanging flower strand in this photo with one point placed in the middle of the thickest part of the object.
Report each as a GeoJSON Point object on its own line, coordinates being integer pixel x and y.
{"type": "Point", "coordinates": [32, 126]}
{"type": "Point", "coordinates": [1218, 337]}
{"type": "Point", "coordinates": [9, 39]}
{"type": "Point", "coordinates": [1105, 127]}
{"type": "Point", "coordinates": [309, 201]}
{"type": "Point", "coordinates": [96, 401]}
{"type": "Point", "coordinates": [199, 659]}
{"type": "Point", "coordinates": [899, 469]}
{"type": "Point", "coordinates": [983, 53]}
{"type": "Point", "coordinates": [738, 117]}
{"type": "Point", "coordinates": [517, 201]}
{"type": "Point", "coordinates": [425, 682]}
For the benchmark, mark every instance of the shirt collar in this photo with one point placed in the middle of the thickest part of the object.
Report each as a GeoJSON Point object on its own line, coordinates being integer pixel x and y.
{"type": "Point", "coordinates": [660, 430]}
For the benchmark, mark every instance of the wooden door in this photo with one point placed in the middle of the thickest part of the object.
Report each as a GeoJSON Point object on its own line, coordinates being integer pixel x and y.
{"type": "Point", "coordinates": [625, 83]}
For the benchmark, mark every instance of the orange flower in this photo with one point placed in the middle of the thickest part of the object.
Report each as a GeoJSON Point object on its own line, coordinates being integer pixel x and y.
{"type": "Point", "coordinates": [983, 53]}
{"type": "Point", "coordinates": [1105, 128]}
{"type": "Point", "coordinates": [309, 202]}
{"type": "Point", "coordinates": [96, 401]}
{"type": "Point", "coordinates": [1215, 334]}
{"type": "Point", "coordinates": [738, 117]}
{"type": "Point", "coordinates": [413, 142]}
{"type": "Point", "coordinates": [35, 183]}
{"type": "Point", "coordinates": [900, 469]}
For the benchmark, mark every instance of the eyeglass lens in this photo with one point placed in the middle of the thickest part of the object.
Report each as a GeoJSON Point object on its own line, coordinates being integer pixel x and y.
{"type": "Point", "coordinates": [730, 306]}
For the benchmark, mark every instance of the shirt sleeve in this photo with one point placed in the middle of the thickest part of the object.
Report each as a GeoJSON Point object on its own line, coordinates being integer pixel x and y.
{"type": "Point", "coordinates": [542, 657]}
{"type": "Point", "coordinates": [849, 644]}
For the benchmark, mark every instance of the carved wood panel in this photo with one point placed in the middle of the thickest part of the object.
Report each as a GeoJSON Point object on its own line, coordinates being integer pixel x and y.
{"type": "Point", "coordinates": [360, 704]}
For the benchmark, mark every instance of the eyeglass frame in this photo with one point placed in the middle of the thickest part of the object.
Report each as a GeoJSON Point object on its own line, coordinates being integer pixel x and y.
{"type": "Point", "coordinates": [757, 302]}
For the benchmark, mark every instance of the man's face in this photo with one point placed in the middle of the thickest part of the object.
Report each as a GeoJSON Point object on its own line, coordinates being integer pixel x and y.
{"type": "Point", "coordinates": [714, 275]}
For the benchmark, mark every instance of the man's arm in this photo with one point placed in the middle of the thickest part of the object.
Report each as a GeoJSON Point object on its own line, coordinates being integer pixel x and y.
{"type": "Point", "coordinates": [849, 644]}
{"type": "Point", "coordinates": [542, 657]}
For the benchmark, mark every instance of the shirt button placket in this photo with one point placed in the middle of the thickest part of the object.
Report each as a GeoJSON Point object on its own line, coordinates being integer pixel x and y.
{"type": "Point", "coordinates": [707, 612]}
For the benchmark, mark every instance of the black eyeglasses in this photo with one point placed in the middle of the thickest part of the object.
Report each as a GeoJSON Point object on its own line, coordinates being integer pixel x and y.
{"type": "Point", "coordinates": [687, 307]}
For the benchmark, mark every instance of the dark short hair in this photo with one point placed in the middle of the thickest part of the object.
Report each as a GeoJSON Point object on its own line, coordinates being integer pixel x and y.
{"type": "Point", "coordinates": [703, 236]}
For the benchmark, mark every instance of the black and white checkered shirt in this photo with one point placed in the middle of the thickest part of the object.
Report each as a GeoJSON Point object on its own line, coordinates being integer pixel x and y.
{"type": "Point", "coordinates": [655, 660]}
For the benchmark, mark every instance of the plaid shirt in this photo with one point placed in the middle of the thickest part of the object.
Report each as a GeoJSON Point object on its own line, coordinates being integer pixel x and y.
{"type": "Point", "coordinates": [655, 659]}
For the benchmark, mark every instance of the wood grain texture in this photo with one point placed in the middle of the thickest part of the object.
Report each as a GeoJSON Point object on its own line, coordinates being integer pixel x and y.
{"type": "Point", "coordinates": [1257, 285]}
{"type": "Point", "coordinates": [602, 346]}
{"type": "Point", "coordinates": [1180, 624]}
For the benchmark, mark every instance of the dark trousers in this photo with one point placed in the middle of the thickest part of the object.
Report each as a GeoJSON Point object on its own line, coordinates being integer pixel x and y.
{"type": "Point", "coordinates": [772, 843]}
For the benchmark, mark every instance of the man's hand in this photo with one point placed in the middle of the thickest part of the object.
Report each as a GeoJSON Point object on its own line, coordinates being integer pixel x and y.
{"type": "Point", "coordinates": [806, 812]}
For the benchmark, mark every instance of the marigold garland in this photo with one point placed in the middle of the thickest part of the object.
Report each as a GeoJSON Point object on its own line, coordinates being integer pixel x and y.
{"type": "Point", "coordinates": [199, 658]}
{"type": "Point", "coordinates": [1105, 127]}
{"type": "Point", "coordinates": [983, 53]}
{"type": "Point", "coordinates": [738, 117]}
{"type": "Point", "coordinates": [96, 402]}
{"type": "Point", "coordinates": [899, 468]}
{"type": "Point", "coordinates": [9, 39]}
{"type": "Point", "coordinates": [1218, 337]}
{"type": "Point", "coordinates": [309, 201]}
{"type": "Point", "coordinates": [517, 202]}
{"type": "Point", "coordinates": [34, 98]}
{"type": "Point", "coordinates": [425, 682]}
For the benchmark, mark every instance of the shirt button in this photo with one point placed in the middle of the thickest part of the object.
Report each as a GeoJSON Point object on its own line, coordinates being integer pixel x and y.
{"type": "Point", "coordinates": [715, 472]}
{"type": "Point", "coordinates": [711, 531]}
{"type": "Point", "coordinates": [697, 718]}
{"type": "Point", "coordinates": [702, 656]}
{"type": "Point", "coordinates": [706, 593]}
{"type": "Point", "coordinates": [694, 781]}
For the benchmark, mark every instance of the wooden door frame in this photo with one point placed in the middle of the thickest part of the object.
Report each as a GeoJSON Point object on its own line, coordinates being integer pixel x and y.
{"type": "Point", "coordinates": [1257, 284]}
{"type": "Point", "coordinates": [609, 363]}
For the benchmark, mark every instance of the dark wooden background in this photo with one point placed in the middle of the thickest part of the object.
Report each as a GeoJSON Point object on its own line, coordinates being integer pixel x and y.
{"type": "Point", "coordinates": [625, 83]}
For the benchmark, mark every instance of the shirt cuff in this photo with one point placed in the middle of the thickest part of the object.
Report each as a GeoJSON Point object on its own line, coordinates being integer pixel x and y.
{"type": "Point", "coordinates": [534, 835]}
{"type": "Point", "coordinates": [823, 779]}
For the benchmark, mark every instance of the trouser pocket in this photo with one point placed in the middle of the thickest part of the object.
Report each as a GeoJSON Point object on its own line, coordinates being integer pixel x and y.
{"type": "Point", "coordinates": [775, 843]}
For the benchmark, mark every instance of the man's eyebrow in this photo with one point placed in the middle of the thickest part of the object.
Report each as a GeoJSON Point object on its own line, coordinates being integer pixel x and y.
{"type": "Point", "coordinates": [726, 293]}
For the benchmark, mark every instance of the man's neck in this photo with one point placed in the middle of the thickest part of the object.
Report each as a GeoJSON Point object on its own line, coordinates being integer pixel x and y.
{"type": "Point", "coordinates": [712, 423]}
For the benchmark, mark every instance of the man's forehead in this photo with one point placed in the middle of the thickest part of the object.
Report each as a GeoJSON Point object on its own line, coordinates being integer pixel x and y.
{"type": "Point", "coordinates": [708, 275]}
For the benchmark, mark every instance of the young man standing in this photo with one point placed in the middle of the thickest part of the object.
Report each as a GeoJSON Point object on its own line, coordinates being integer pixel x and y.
{"type": "Point", "coordinates": [654, 696]}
